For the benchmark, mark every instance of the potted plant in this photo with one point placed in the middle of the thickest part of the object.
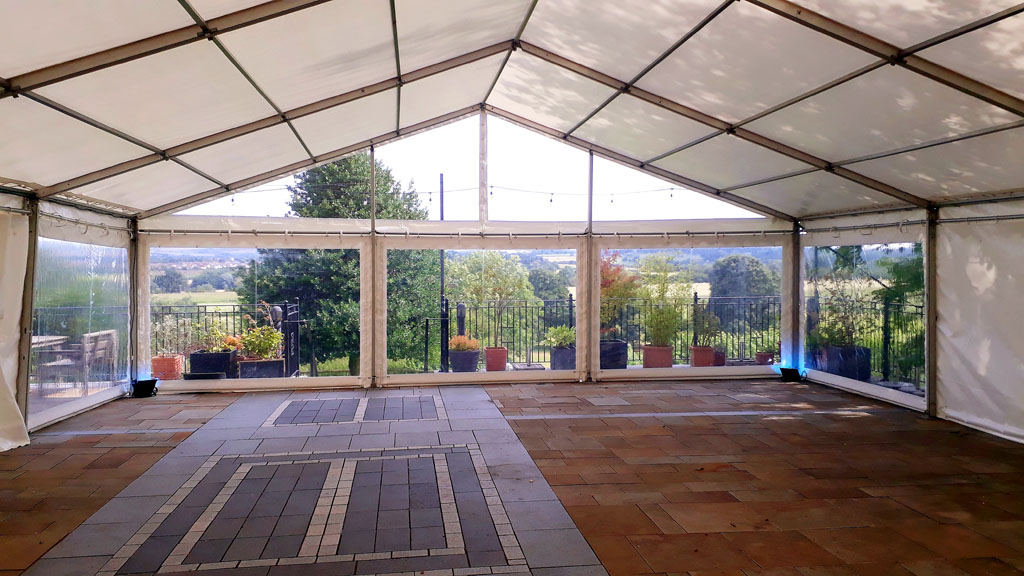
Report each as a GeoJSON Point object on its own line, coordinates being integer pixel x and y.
{"type": "Point", "coordinates": [721, 355]}
{"type": "Point", "coordinates": [261, 346]}
{"type": "Point", "coordinates": [213, 354]}
{"type": "Point", "coordinates": [618, 286]}
{"type": "Point", "coordinates": [832, 343]}
{"type": "Point", "coordinates": [463, 353]}
{"type": "Point", "coordinates": [706, 328]}
{"type": "Point", "coordinates": [661, 289]}
{"type": "Point", "coordinates": [495, 358]}
{"type": "Point", "coordinates": [169, 335]}
{"type": "Point", "coordinates": [562, 340]}
{"type": "Point", "coordinates": [765, 356]}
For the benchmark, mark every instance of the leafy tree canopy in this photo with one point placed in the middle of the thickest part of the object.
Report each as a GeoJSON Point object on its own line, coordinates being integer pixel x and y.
{"type": "Point", "coordinates": [489, 276]}
{"type": "Point", "coordinates": [549, 284]}
{"type": "Point", "coordinates": [742, 275]}
{"type": "Point", "coordinates": [170, 281]}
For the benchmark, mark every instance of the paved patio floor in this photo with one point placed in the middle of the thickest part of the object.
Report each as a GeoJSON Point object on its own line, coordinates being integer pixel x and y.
{"type": "Point", "coordinates": [732, 477]}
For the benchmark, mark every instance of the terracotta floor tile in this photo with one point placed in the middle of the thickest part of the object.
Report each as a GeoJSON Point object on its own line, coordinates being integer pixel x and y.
{"type": "Point", "coordinates": [934, 567]}
{"type": "Point", "coordinates": [686, 552]}
{"type": "Point", "coordinates": [661, 519]}
{"type": "Point", "coordinates": [622, 520]}
{"type": "Point", "coordinates": [869, 544]}
{"type": "Point", "coordinates": [986, 567]}
{"type": "Point", "coordinates": [780, 549]}
{"type": "Point", "coordinates": [880, 569]}
{"type": "Point", "coordinates": [952, 540]}
{"type": "Point", "coordinates": [717, 517]}
{"type": "Point", "coordinates": [618, 555]}
{"type": "Point", "coordinates": [1010, 533]}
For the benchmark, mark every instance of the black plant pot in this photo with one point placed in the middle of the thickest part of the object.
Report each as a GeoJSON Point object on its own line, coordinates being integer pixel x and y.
{"type": "Point", "coordinates": [261, 368]}
{"type": "Point", "coordinates": [464, 360]}
{"type": "Point", "coordinates": [852, 362]}
{"type": "Point", "coordinates": [614, 354]}
{"type": "Point", "coordinates": [143, 388]}
{"type": "Point", "coordinates": [212, 362]}
{"type": "Point", "coordinates": [563, 358]}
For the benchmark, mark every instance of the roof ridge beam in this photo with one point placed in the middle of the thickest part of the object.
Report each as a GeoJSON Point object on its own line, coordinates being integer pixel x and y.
{"type": "Point", "coordinates": [694, 185]}
{"type": "Point", "coordinates": [892, 53]}
{"type": "Point", "coordinates": [153, 45]}
{"type": "Point", "coordinates": [724, 126]}
{"type": "Point", "coordinates": [305, 110]}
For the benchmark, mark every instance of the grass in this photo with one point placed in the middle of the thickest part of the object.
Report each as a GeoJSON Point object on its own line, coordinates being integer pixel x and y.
{"type": "Point", "coordinates": [339, 367]}
{"type": "Point", "coordinates": [204, 298]}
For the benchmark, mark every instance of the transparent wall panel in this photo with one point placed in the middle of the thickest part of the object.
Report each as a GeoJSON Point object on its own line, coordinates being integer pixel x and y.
{"type": "Point", "coordinates": [532, 177]}
{"type": "Point", "coordinates": [499, 310]}
{"type": "Point", "coordinates": [624, 193]}
{"type": "Point", "coordinates": [865, 314]}
{"type": "Point", "coordinates": [217, 310]}
{"type": "Point", "coordinates": [419, 162]}
{"type": "Point", "coordinates": [80, 324]}
{"type": "Point", "coordinates": [690, 306]}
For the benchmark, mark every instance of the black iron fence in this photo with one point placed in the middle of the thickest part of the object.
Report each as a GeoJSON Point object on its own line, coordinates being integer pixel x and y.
{"type": "Point", "coordinates": [892, 330]}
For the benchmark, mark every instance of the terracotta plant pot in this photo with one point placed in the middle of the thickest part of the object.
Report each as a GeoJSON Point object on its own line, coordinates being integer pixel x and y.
{"type": "Point", "coordinates": [496, 358]}
{"type": "Point", "coordinates": [464, 360]}
{"type": "Point", "coordinates": [765, 358]}
{"type": "Point", "coordinates": [658, 356]}
{"type": "Point", "coordinates": [168, 366]}
{"type": "Point", "coordinates": [702, 356]}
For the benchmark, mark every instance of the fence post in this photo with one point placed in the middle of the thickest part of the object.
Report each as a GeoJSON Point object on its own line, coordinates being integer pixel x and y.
{"type": "Point", "coordinates": [426, 346]}
{"type": "Point", "coordinates": [695, 304]}
{"type": "Point", "coordinates": [886, 338]}
{"type": "Point", "coordinates": [460, 319]}
{"type": "Point", "coordinates": [445, 331]}
{"type": "Point", "coordinates": [572, 311]}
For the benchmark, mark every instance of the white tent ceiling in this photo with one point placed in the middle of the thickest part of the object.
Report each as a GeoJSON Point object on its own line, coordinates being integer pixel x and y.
{"type": "Point", "coordinates": [791, 109]}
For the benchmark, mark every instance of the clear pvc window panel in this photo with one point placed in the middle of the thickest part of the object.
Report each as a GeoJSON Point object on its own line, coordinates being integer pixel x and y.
{"type": "Point", "coordinates": [147, 187]}
{"type": "Point", "coordinates": [431, 31]}
{"type": "Point", "coordinates": [625, 193]}
{"type": "Point", "coordinates": [906, 23]}
{"type": "Point", "coordinates": [639, 129]}
{"type": "Point", "coordinates": [80, 325]}
{"type": "Point", "coordinates": [994, 55]}
{"type": "Point", "coordinates": [661, 308]}
{"type": "Point", "coordinates": [318, 52]}
{"type": "Point", "coordinates": [614, 37]}
{"type": "Point", "coordinates": [168, 98]}
{"type": "Point", "coordinates": [726, 160]}
{"type": "Point", "coordinates": [989, 163]}
{"type": "Point", "coordinates": [864, 314]}
{"type": "Point", "coordinates": [348, 124]}
{"type": "Point", "coordinates": [815, 193]}
{"type": "Point", "coordinates": [747, 60]}
{"type": "Point", "coordinates": [545, 93]}
{"type": "Point", "coordinates": [448, 91]}
{"type": "Point", "coordinates": [452, 152]}
{"type": "Point", "coordinates": [883, 110]}
{"type": "Point", "coordinates": [48, 33]}
{"type": "Point", "coordinates": [249, 155]}
{"type": "Point", "coordinates": [43, 146]}
{"type": "Point", "coordinates": [532, 177]}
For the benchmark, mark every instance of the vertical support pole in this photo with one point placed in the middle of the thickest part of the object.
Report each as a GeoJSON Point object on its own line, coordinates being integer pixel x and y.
{"type": "Point", "coordinates": [374, 318]}
{"type": "Point", "coordinates": [446, 330]}
{"type": "Point", "coordinates": [27, 303]}
{"type": "Point", "coordinates": [483, 167]}
{"type": "Point", "coordinates": [886, 337]}
{"type": "Point", "coordinates": [590, 277]}
{"type": "Point", "coordinates": [931, 296]}
{"type": "Point", "coordinates": [141, 306]}
{"type": "Point", "coordinates": [133, 300]}
{"type": "Point", "coordinates": [795, 298]}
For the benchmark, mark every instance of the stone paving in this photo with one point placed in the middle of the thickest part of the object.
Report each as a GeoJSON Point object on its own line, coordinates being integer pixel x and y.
{"type": "Point", "coordinates": [408, 481]}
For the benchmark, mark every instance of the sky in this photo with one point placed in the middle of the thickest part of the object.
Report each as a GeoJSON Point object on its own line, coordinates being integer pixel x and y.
{"type": "Point", "coordinates": [531, 177]}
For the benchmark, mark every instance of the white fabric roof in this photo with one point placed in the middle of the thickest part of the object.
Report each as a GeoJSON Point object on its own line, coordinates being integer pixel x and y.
{"type": "Point", "coordinates": [791, 109]}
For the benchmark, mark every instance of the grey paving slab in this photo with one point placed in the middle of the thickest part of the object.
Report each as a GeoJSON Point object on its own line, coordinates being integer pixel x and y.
{"type": "Point", "coordinates": [480, 424]}
{"type": "Point", "coordinates": [456, 437]}
{"type": "Point", "coordinates": [238, 447]}
{"type": "Point", "coordinates": [177, 465]}
{"type": "Point", "coordinates": [373, 441]}
{"type": "Point", "coordinates": [238, 433]}
{"type": "Point", "coordinates": [597, 570]}
{"type": "Point", "coordinates": [375, 427]}
{"type": "Point", "coordinates": [482, 413]}
{"type": "Point", "coordinates": [538, 515]}
{"type": "Point", "coordinates": [67, 566]}
{"type": "Point", "coordinates": [505, 453]}
{"type": "Point", "coordinates": [327, 443]}
{"type": "Point", "coordinates": [191, 447]}
{"type": "Point", "coordinates": [94, 540]}
{"type": "Point", "coordinates": [121, 510]}
{"type": "Point", "coordinates": [155, 485]}
{"type": "Point", "coordinates": [419, 426]}
{"type": "Point", "coordinates": [553, 548]}
{"type": "Point", "coordinates": [501, 436]}
{"type": "Point", "coordinates": [522, 490]}
{"type": "Point", "coordinates": [272, 445]}
{"type": "Point", "coordinates": [416, 439]}
{"type": "Point", "coordinates": [337, 429]}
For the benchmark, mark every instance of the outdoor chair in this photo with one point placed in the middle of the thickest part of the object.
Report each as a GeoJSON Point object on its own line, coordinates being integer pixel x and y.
{"type": "Point", "coordinates": [95, 354]}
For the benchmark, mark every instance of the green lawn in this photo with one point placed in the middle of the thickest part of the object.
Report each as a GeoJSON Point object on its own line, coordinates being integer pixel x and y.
{"type": "Point", "coordinates": [205, 298]}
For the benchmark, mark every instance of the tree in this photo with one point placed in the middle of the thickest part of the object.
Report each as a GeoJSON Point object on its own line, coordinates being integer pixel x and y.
{"type": "Point", "coordinates": [742, 275]}
{"type": "Point", "coordinates": [216, 279]}
{"type": "Point", "coordinates": [490, 277]}
{"type": "Point", "coordinates": [170, 281]}
{"type": "Point", "coordinates": [548, 285]}
{"type": "Point", "coordinates": [326, 282]}
{"type": "Point", "coordinates": [618, 286]}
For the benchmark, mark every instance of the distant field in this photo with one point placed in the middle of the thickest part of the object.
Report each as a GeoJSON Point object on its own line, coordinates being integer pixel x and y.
{"type": "Point", "coordinates": [195, 298]}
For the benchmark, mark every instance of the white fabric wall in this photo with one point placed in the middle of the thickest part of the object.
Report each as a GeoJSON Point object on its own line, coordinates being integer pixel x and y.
{"type": "Point", "coordinates": [980, 343]}
{"type": "Point", "coordinates": [13, 254]}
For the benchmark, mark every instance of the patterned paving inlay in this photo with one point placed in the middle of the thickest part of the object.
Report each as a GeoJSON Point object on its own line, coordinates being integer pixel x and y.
{"type": "Point", "coordinates": [377, 511]}
{"type": "Point", "coordinates": [332, 410]}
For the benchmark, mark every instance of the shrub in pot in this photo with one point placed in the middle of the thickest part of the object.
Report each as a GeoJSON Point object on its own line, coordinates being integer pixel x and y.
{"type": "Point", "coordinates": [618, 286]}
{"type": "Point", "coordinates": [562, 340]}
{"type": "Point", "coordinates": [169, 335]}
{"type": "Point", "coordinates": [495, 358]}
{"type": "Point", "coordinates": [765, 356]}
{"type": "Point", "coordinates": [661, 287]}
{"type": "Point", "coordinates": [706, 328]}
{"type": "Point", "coordinates": [463, 354]}
{"type": "Point", "coordinates": [261, 346]}
{"type": "Point", "coordinates": [215, 353]}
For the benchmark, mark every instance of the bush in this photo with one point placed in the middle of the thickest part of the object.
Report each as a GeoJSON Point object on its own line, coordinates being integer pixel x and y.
{"type": "Point", "coordinates": [560, 337]}
{"type": "Point", "coordinates": [463, 344]}
{"type": "Point", "coordinates": [262, 342]}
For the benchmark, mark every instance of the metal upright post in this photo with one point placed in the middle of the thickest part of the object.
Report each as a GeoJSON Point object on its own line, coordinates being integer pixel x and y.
{"type": "Point", "coordinates": [932, 312]}
{"type": "Point", "coordinates": [133, 299]}
{"type": "Point", "coordinates": [27, 303]}
{"type": "Point", "coordinates": [483, 167]}
{"type": "Point", "coordinates": [373, 277]}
